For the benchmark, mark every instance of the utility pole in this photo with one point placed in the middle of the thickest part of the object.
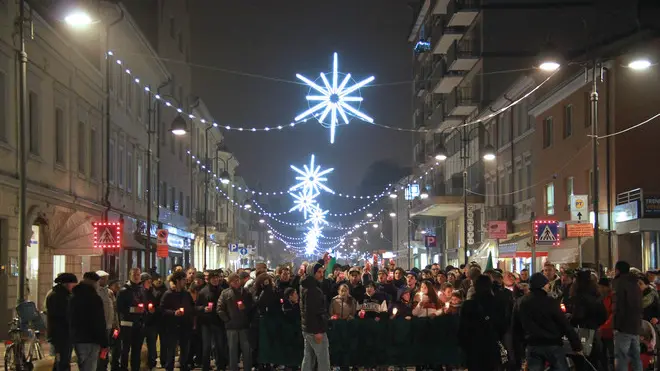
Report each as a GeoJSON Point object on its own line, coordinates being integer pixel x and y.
{"type": "Point", "coordinates": [22, 155]}
{"type": "Point", "coordinates": [594, 155]}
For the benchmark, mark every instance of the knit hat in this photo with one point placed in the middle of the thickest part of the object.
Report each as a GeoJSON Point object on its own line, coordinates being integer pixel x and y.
{"type": "Point", "coordinates": [412, 273]}
{"type": "Point", "coordinates": [145, 277]}
{"type": "Point", "coordinates": [316, 267]}
{"type": "Point", "coordinates": [92, 276]}
{"type": "Point", "coordinates": [66, 278]}
{"type": "Point", "coordinates": [537, 281]}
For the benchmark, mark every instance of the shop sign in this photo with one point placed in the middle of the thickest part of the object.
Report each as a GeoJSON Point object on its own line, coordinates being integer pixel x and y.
{"type": "Point", "coordinates": [107, 235]}
{"type": "Point", "coordinates": [430, 241]}
{"type": "Point", "coordinates": [507, 250]}
{"type": "Point", "coordinates": [497, 229]}
{"type": "Point", "coordinates": [470, 225]}
{"type": "Point", "coordinates": [579, 230]}
{"type": "Point", "coordinates": [651, 206]}
{"type": "Point", "coordinates": [412, 191]}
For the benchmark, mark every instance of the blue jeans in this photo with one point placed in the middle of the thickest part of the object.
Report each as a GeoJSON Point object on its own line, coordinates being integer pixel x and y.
{"type": "Point", "coordinates": [88, 356]}
{"type": "Point", "coordinates": [316, 353]}
{"type": "Point", "coordinates": [538, 355]}
{"type": "Point", "coordinates": [239, 340]}
{"type": "Point", "coordinates": [626, 349]}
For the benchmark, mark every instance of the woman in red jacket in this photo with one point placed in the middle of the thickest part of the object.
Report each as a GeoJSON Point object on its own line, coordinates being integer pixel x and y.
{"type": "Point", "coordinates": [606, 332]}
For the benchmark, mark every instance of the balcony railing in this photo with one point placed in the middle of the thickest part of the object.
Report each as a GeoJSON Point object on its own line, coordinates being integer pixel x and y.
{"type": "Point", "coordinates": [501, 212]}
{"type": "Point", "coordinates": [463, 54]}
{"type": "Point", "coordinates": [207, 218]}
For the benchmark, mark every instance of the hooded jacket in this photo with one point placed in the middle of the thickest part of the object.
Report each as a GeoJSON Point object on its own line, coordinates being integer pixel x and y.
{"type": "Point", "coordinates": [86, 316]}
{"type": "Point", "coordinates": [626, 304]}
{"type": "Point", "coordinates": [403, 310]}
{"type": "Point", "coordinates": [57, 307]}
{"type": "Point", "coordinates": [313, 309]}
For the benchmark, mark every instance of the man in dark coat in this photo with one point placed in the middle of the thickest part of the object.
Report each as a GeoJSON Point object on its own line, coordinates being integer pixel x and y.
{"type": "Point", "coordinates": [235, 308]}
{"type": "Point", "coordinates": [131, 304]}
{"type": "Point", "coordinates": [314, 320]}
{"type": "Point", "coordinates": [57, 308]}
{"type": "Point", "coordinates": [627, 313]}
{"type": "Point", "coordinates": [213, 330]}
{"type": "Point", "coordinates": [87, 323]}
{"type": "Point", "coordinates": [178, 312]}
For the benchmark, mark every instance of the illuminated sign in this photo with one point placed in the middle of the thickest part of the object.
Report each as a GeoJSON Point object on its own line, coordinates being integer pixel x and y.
{"type": "Point", "coordinates": [107, 235]}
{"type": "Point", "coordinates": [546, 232]}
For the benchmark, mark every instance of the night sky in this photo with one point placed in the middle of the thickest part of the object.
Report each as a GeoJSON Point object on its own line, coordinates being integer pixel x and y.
{"type": "Point", "coordinates": [278, 39]}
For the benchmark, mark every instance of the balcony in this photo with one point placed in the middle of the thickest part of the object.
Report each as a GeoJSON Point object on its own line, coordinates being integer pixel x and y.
{"type": "Point", "coordinates": [501, 212]}
{"type": "Point", "coordinates": [448, 81]}
{"type": "Point", "coordinates": [461, 102]}
{"type": "Point", "coordinates": [462, 12]}
{"type": "Point", "coordinates": [443, 36]}
{"type": "Point", "coordinates": [421, 87]}
{"type": "Point", "coordinates": [463, 55]}
{"type": "Point", "coordinates": [207, 218]}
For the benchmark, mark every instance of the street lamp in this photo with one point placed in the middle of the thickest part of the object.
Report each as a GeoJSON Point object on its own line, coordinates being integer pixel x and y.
{"type": "Point", "coordinates": [78, 19]}
{"type": "Point", "coordinates": [424, 195]}
{"type": "Point", "coordinates": [393, 195]}
{"type": "Point", "coordinates": [179, 126]}
{"type": "Point", "coordinates": [488, 153]}
{"type": "Point", "coordinates": [639, 64]}
{"type": "Point", "coordinates": [224, 177]}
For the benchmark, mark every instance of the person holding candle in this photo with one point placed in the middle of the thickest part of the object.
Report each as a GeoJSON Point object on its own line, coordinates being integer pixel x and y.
{"type": "Point", "coordinates": [235, 307]}
{"type": "Point", "coordinates": [178, 309]}
{"type": "Point", "coordinates": [111, 321]}
{"type": "Point", "coordinates": [87, 323]}
{"type": "Point", "coordinates": [130, 305]}
{"type": "Point", "coordinates": [428, 305]}
{"type": "Point", "coordinates": [402, 307]}
{"type": "Point", "coordinates": [343, 306]}
{"type": "Point", "coordinates": [151, 319]}
{"type": "Point", "coordinates": [212, 328]}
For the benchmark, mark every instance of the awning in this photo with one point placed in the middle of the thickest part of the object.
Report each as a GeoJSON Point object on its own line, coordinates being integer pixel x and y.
{"type": "Point", "coordinates": [519, 247]}
{"type": "Point", "coordinates": [567, 252]}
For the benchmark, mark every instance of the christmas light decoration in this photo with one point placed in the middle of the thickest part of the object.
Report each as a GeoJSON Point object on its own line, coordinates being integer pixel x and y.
{"type": "Point", "coordinates": [317, 216]}
{"type": "Point", "coordinates": [334, 99]}
{"type": "Point", "coordinates": [304, 201]}
{"type": "Point", "coordinates": [311, 178]}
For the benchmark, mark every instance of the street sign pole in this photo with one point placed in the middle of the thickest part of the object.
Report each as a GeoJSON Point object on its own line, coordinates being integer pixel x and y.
{"type": "Point", "coordinates": [579, 215]}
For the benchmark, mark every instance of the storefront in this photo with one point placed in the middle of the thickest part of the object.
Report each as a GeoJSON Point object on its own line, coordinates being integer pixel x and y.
{"type": "Point", "coordinates": [179, 242]}
{"type": "Point", "coordinates": [515, 254]}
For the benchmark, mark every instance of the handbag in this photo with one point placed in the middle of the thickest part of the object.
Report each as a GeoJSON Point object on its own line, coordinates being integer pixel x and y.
{"type": "Point", "coordinates": [586, 336]}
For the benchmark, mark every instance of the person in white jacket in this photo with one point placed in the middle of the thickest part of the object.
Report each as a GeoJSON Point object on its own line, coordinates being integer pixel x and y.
{"type": "Point", "coordinates": [111, 319]}
{"type": "Point", "coordinates": [428, 304]}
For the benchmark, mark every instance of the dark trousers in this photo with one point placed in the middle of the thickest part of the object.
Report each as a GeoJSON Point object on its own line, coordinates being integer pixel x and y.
{"type": "Point", "coordinates": [239, 343]}
{"type": "Point", "coordinates": [195, 347]}
{"type": "Point", "coordinates": [131, 342]}
{"type": "Point", "coordinates": [102, 364]}
{"type": "Point", "coordinates": [115, 354]}
{"type": "Point", "coordinates": [173, 337]}
{"type": "Point", "coordinates": [151, 335]}
{"type": "Point", "coordinates": [163, 347]}
{"type": "Point", "coordinates": [214, 337]}
{"type": "Point", "coordinates": [538, 355]}
{"type": "Point", "coordinates": [608, 354]}
{"type": "Point", "coordinates": [62, 352]}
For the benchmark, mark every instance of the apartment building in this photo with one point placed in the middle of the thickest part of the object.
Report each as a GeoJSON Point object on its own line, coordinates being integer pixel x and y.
{"type": "Point", "coordinates": [628, 189]}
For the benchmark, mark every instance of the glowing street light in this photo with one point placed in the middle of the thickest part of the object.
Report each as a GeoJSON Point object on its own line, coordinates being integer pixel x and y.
{"type": "Point", "coordinates": [78, 19]}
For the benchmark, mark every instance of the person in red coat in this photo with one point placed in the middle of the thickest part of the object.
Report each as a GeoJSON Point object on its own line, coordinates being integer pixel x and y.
{"type": "Point", "coordinates": [606, 330]}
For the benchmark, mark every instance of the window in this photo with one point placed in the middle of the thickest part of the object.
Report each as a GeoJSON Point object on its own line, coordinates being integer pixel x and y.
{"type": "Point", "coordinates": [587, 110]}
{"type": "Point", "coordinates": [93, 154]}
{"type": "Point", "coordinates": [138, 101]}
{"type": "Point", "coordinates": [3, 109]}
{"type": "Point", "coordinates": [82, 148]}
{"type": "Point", "coordinates": [60, 136]}
{"type": "Point", "coordinates": [173, 199]}
{"type": "Point", "coordinates": [120, 83]}
{"type": "Point", "coordinates": [547, 132]}
{"type": "Point", "coordinates": [129, 171]}
{"type": "Point", "coordinates": [139, 188]}
{"type": "Point", "coordinates": [154, 189]}
{"type": "Point", "coordinates": [120, 165]}
{"type": "Point", "coordinates": [568, 120]}
{"type": "Point", "coordinates": [188, 206]}
{"type": "Point", "coordinates": [111, 160]}
{"type": "Point", "coordinates": [519, 183]}
{"type": "Point", "coordinates": [181, 95]}
{"type": "Point", "coordinates": [163, 133]}
{"type": "Point", "coordinates": [33, 111]}
{"type": "Point", "coordinates": [180, 203]}
{"type": "Point", "coordinates": [163, 187]}
{"type": "Point", "coordinates": [549, 199]}
{"type": "Point", "coordinates": [180, 41]}
{"type": "Point", "coordinates": [569, 190]}
{"type": "Point", "coordinates": [172, 29]}
{"type": "Point", "coordinates": [129, 93]}
{"type": "Point", "coordinates": [530, 189]}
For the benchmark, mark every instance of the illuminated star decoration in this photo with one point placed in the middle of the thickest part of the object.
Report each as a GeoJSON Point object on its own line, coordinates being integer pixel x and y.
{"type": "Point", "coordinates": [304, 201]}
{"type": "Point", "coordinates": [312, 239]}
{"type": "Point", "coordinates": [317, 216]}
{"type": "Point", "coordinates": [334, 99]}
{"type": "Point", "coordinates": [312, 178]}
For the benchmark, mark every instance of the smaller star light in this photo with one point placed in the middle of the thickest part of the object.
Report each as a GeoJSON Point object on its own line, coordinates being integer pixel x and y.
{"type": "Point", "coordinates": [312, 178]}
{"type": "Point", "coordinates": [317, 216]}
{"type": "Point", "coordinates": [312, 239]}
{"type": "Point", "coordinates": [304, 201]}
{"type": "Point", "coordinates": [334, 99]}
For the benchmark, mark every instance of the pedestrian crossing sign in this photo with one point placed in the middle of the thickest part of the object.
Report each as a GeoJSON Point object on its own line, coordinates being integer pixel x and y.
{"type": "Point", "coordinates": [546, 232]}
{"type": "Point", "coordinates": [107, 235]}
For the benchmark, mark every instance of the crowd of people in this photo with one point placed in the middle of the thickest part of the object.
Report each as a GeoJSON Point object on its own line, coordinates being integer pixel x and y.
{"type": "Point", "coordinates": [507, 321]}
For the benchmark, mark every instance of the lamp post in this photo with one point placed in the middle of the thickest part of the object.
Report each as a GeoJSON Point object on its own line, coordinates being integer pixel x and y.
{"type": "Point", "coordinates": [488, 150]}
{"type": "Point", "coordinates": [21, 148]}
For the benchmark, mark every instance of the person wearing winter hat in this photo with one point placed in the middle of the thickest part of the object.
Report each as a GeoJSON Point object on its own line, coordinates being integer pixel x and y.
{"type": "Point", "coordinates": [111, 319]}
{"type": "Point", "coordinates": [88, 330]}
{"type": "Point", "coordinates": [314, 320]}
{"type": "Point", "coordinates": [57, 302]}
{"type": "Point", "coordinates": [540, 322]}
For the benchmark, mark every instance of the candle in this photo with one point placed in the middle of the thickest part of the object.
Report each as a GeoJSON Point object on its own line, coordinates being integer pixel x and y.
{"type": "Point", "coordinates": [151, 306]}
{"type": "Point", "coordinates": [115, 334]}
{"type": "Point", "coordinates": [563, 307]}
{"type": "Point", "coordinates": [181, 309]}
{"type": "Point", "coordinates": [210, 305]}
{"type": "Point", "coordinates": [395, 311]}
{"type": "Point", "coordinates": [141, 306]}
{"type": "Point", "coordinates": [240, 302]}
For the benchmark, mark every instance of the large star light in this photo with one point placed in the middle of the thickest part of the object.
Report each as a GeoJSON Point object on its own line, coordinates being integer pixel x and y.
{"type": "Point", "coordinates": [317, 216]}
{"type": "Point", "coordinates": [304, 201]}
{"type": "Point", "coordinates": [312, 178]}
{"type": "Point", "coordinates": [334, 99]}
